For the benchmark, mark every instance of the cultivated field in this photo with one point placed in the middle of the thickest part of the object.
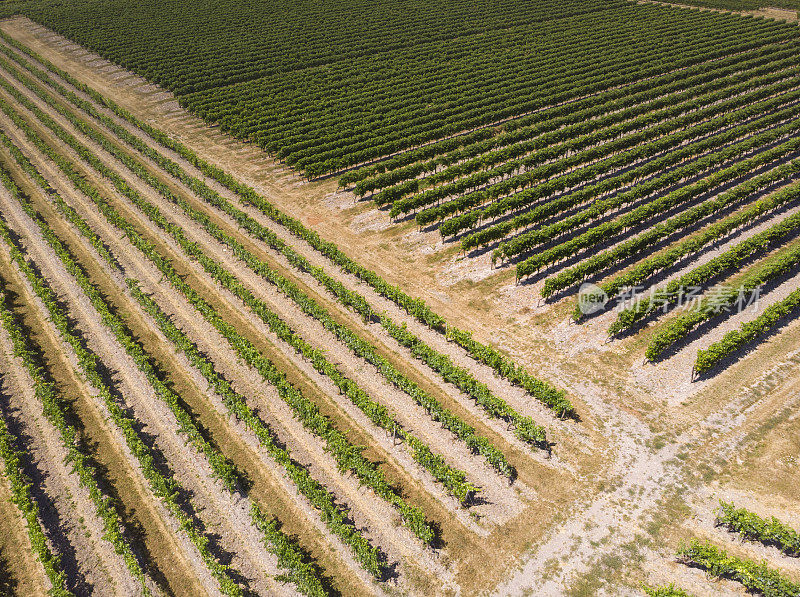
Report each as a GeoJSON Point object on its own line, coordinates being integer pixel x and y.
{"type": "Point", "coordinates": [202, 394]}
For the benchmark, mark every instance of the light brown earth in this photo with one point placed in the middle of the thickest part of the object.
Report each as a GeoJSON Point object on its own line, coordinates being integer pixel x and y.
{"type": "Point", "coordinates": [642, 470]}
{"type": "Point", "coordinates": [769, 12]}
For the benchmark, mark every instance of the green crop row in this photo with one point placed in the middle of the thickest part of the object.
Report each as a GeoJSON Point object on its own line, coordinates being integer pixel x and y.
{"type": "Point", "coordinates": [415, 307]}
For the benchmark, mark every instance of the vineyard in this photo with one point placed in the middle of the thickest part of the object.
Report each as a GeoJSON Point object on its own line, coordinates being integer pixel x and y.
{"type": "Point", "coordinates": [407, 298]}
{"type": "Point", "coordinates": [665, 123]}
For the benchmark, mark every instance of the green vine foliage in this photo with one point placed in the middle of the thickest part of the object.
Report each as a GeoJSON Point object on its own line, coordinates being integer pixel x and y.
{"type": "Point", "coordinates": [543, 168]}
{"type": "Point", "coordinates": [13, 459]}
{"type": "Point", "coordinates": [723, 264]}
{"type": "Point", "coordinates": [305, 575]}
{"type": "Point", "coordinates": [415, 307]}
{"type": "Point", "coordinates": [348, 456]}
{"type": "Point", "coordinates": [162, 487]}
{"type": "Point", "coordinates": [750, 331]}
{"type": "Point", "coordinates": [756, 577]}
{"type": "Point", "coordinates": [751, 526]}
{"type": "Point", "coordinates": [667, 591]}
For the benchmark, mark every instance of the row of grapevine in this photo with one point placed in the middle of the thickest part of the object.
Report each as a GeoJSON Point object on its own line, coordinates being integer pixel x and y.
{"type": "Point", "coordinates": [641, 193]}
{"type": "Point", "coordinates": [753, 527]}
{"type": "Point", "coordinates": [667, 591]}
{"type": "Point", "coordinates": [718, 230]}
{"type": "Point", "coordinates": [163, 487]}
{"type": "Point", "coordinates": [223, 469]}
{"type": "Point", "coordinates": [453, 479]}
{"type": "Point", "coordinates": [358, 345]}
{"type": "Point", "coordinates": [347, 455]}
{"type": "Point", "coordinates": [566, 149]}
{"type": "Point", "coordinates": [705, 136]}
{"type": "Point", "coordinates": [550, 80]}
{"type": "Point", "coordinates": [477, 109]}
{"type": "Point", "coordinates": [234, 37]}
{"type": "Point", "coordinates": [502, 365]}
{"type": "Point", "coordinates": [415, 307]}
{"type": "Point", "coordinates": [227, 473]}
{"type": "Point", "coordinates": [755, 577]}
{"type": "Point", "coordinates": [13, 463]}
{"type": "Point", "coordinates": [538, 214]}
{"type": "Point", "coordinates": [684, 220]}
{"type": "Point", "coordinates": [743, 5]}
{"type": "Point", "coordinates": [736, 340]}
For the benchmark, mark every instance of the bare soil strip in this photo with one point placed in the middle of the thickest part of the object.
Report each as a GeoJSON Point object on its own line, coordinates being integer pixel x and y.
{"type": "Point", "coordinates": [223, 515]}
{"type": "Point", "coordinates": [150, 537]}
